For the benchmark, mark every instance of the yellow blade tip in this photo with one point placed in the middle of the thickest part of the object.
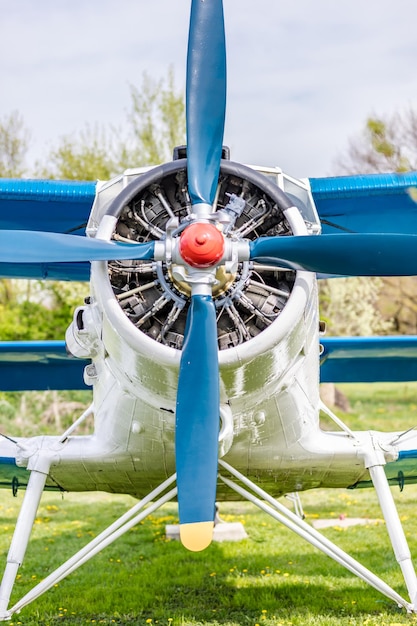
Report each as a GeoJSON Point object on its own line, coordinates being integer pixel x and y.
{"type": "Point", "coordinates": [197, 535]}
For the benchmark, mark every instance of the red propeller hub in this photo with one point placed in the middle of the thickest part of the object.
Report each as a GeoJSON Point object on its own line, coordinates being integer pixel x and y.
{"type": "Point", "coordinates": [201, 245]}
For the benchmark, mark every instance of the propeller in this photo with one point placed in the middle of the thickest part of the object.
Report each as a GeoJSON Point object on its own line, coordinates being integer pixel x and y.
{"type": "Point", "coordinates": [197, 425]}
{"type": "Point", "coordinates": [379, 254]}
{"type": "Point", "coordinates": [369, 254]}
{"type": "Point", "coordinates": [45, 247]}
{"type": "Point", "coordinates": [205, 98]}
{"type": "Point", "coordinates": [198, 397]}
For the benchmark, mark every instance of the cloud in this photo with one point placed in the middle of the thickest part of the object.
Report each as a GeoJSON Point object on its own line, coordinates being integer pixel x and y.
{"type": "Point", "coordinates": [302, 76]}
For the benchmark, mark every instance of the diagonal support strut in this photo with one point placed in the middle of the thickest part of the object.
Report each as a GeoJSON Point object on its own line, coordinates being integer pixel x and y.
{"type": "Point", "coordinates": [127, 521]}
{"type": "Point", "coordinates": [278, 511]}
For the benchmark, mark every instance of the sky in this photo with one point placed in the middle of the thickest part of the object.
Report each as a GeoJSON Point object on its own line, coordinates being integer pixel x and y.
{"type": "Point", "coordinates": [303, 76]}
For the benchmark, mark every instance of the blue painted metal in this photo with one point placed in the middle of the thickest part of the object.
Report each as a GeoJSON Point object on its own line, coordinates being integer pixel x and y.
{"type": "Point", "coordinates": [48, 205]}
{"type": "Point", "coordinates": [14, 477]}
{"type": "Point", "coordinates": [39, 365]}
{"type": "Point", "coordinates": [407, 454]}
{"type": "Point", "coordinates": [45, 247]}
{"type": "Point", "coordinates": [346, 255]}
{"type": "Point", "coordinates": [205, 98]}
{"type": "Point", "coordinates": [7, 460]}
{"type": "Point", "coordinates": [51, 206]}
{"type": "Point", "coordinates": [369, 359]}
{"type": "Point", "coordinates": [46, 271]}
{"type": "Point", "coordinates": [197, 414]}
{"type": "Point", "coordinates": [399, 473]}
{"type": "Point", "coordinates": [11, 475]}
{"type": "Point", "coordinates": [373, 203]}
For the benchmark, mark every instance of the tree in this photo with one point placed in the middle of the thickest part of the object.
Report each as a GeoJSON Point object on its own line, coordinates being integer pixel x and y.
{"type": "Point", "coordinates": [156, 119]}
{"type": "Point", "coordinates": [85, 155]}
{"type": "Point", "coordinates": [155, 125]}
{"type": "Point", "coordinates": [349, 306]}
{"type": "Point", "coordinates": [34, 310]}
{"type": "Point", "coordinates": [388, 144]}
{"type": "Point", "coordinates": [14, 144]}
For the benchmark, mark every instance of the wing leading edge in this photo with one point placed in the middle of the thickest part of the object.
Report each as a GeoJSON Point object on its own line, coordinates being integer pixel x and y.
{"type": "Point", "coordinates": [372, 203]}
{"type": "Point", "coordinates": [369, 359]}
{"type": "Point", "coordinates": [40, 365]}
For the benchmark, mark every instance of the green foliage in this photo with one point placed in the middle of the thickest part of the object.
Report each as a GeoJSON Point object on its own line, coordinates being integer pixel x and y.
{"type": "Point", "coordinates": [157, 121]}
{"type": "Point", "coordinates": [348, 306]}
{"type": "Point", "coordinates": [32, 310]}
{"type": "Point", "coordinates": [398, 301]}
{"type": "Point", "coordinates": [155, 125]}
{"type": "Point", "coordinates": [33, 413]}
{"type": "Point", "coordinates": [14, 142]}
{"type": "Point", "coordinates": [386, 144]}
{"type": "Point", "coordinates": [87, 155]}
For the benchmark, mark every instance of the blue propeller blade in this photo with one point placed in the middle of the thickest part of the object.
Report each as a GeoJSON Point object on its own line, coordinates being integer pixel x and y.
{"type": "Point", "coordinates": [26, 246]}
{"type": "Point", "coordinates": [384, 254]}
{"type": "Point", "coordinates": [197, 425]}
{"type": "Point", "coordinates": [205, 98]}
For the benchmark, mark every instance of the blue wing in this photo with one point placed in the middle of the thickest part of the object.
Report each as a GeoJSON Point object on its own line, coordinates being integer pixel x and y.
{"type": "Point", "coordinates": [46, 205]}
{"type": "Point", "coordinates": [373, 203]}
{"type": "Point", "coordinates": [38, 366]}
{"type": "Point", "coordinates": [41, 365]}
{"type": "Point", "coordinates": [369, 359]}
{"type": "Point", "coordinates": [13, 476]}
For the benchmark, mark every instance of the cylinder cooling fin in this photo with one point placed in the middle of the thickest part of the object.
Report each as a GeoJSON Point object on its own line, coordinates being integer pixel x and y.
{"type": "Point", "coordinates": [153, 295]}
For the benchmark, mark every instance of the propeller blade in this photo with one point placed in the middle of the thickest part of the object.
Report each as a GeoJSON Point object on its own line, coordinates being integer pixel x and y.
{"type": "Point", "coordinates": [197, 425]}
{"type": "Point", "coordinates": [379, 254]}
{"type": "Point", "coordinates": [205, 98]}
{"type": "Point", "coordinates": [27, 246]}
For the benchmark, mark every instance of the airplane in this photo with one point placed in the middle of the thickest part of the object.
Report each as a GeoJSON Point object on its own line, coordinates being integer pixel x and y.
{"type": "Point", "coordinates": [200, 337]}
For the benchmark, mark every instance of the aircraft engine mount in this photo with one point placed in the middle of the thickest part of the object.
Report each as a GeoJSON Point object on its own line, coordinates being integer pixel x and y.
{"type": "Point", "coordinates": [152, 294]}
{"type": "Point", "coordinates": [133, 324]}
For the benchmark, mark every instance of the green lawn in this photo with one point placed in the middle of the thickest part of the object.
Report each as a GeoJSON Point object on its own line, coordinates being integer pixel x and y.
{"type": "Point", "coordinates": [273, 577]}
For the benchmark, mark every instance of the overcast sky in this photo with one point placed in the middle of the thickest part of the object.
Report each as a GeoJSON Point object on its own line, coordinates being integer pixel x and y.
{"type": "Point", "coordinates": [302, 76]}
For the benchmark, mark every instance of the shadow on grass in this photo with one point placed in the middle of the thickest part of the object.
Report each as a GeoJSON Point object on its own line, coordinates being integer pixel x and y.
{"type": "Point", "coordinates": [143, 577]}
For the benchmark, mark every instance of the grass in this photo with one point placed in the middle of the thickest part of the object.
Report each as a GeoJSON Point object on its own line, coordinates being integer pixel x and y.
{"type": "Point", "coordinates": [272, 578]}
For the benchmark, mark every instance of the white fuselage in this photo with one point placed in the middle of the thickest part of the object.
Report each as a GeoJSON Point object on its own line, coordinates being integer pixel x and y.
{"type": "Point", "coordinates": [269, 394]}
{"type": "Point", "coordinates": [269, 405]}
